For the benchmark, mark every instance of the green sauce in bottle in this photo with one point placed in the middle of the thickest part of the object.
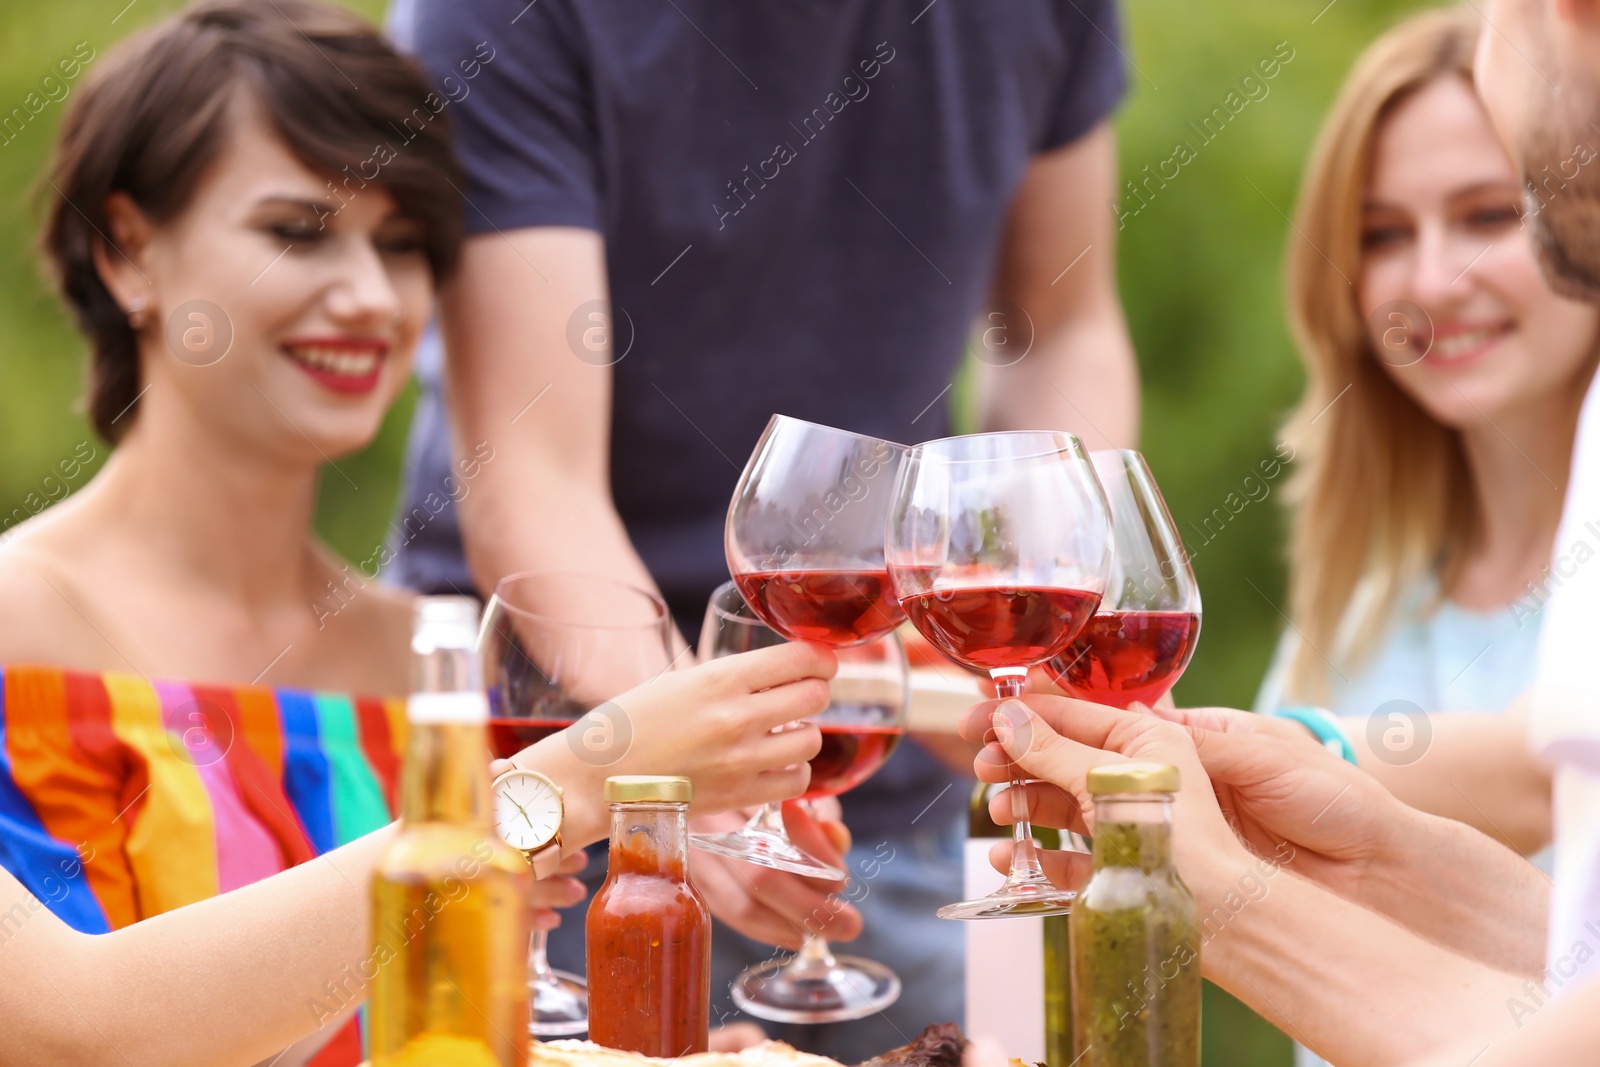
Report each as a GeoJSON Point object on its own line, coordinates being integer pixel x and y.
{"type": "Point", "coordinates": [1135, 942]}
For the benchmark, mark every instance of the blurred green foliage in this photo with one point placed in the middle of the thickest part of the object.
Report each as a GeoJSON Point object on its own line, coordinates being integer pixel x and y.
{"type": "Point", "coordinates": [1200, 272]}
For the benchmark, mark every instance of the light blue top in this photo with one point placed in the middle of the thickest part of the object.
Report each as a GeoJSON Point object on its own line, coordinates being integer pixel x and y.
{"type": "Point", "coordinates": [1438, 657]}
{"type": "Point", "coordinates": [1448, 658]}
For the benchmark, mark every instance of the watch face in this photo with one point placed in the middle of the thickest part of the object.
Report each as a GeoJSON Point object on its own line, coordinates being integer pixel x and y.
{"type": "Point", "coordinates": [527, 810]}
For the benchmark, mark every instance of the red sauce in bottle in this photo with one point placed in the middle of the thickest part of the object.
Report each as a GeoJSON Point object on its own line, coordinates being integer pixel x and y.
{"type": "Point", "coordinates": [649, 931]}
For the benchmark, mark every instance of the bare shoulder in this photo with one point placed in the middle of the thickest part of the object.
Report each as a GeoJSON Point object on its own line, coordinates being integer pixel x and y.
{"type": "Point", "coordinates": [42, 614]}
{"type": "Point", "coordinates": [363, 638]}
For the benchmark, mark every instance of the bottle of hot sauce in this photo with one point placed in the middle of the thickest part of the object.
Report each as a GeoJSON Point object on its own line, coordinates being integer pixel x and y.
{"type": "Point", "coordinates": [649, 930]}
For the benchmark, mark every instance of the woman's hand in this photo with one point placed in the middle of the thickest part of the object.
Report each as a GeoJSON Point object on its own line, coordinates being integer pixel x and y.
{"type": "Point", "coordinates": [560, 890]}
{"type": "Point", "coordinates": [776, 907]}
{"type": "Point", "coordinates": [729, 725]}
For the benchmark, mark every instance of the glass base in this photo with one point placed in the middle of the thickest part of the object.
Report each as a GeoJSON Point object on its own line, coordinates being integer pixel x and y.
{"type": "Point", "coordinates": [1026, 896]}
{"type": "Point", "coordinates": [791, 991]}
{"type": "Point", "coordinates": [560, 1005]}
{"type": "Point", "coordinates": [766, 850]}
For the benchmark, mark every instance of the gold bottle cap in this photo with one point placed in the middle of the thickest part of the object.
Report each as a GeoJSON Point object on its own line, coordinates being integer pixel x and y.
{"type": "Point", "coordinates": [1135, 777]}
{"type": "Point", "coordinates": [648, 789]}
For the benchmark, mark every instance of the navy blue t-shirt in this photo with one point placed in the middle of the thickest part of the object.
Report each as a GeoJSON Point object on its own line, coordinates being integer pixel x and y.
{"type": "Point", "coordinates": [802, 204]}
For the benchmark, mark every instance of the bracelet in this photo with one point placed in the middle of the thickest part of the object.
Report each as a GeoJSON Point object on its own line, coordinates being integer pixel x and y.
{"type": "Point", "coordinates": [1324, 726]}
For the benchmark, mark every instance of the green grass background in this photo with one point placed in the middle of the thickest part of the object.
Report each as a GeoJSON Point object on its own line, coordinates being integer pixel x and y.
{"type": "Point", "coordinates": [1200, 274]}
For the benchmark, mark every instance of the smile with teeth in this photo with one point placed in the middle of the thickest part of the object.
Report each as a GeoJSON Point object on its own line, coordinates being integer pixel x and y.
{"type": "Point", "coordinates": [335, 361]}
{"type": "Point", "coordinates": [1457, 345]}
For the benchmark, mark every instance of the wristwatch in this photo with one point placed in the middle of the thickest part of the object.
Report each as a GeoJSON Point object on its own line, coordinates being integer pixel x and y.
{"type": "Point", "coordinates": [528, 810]}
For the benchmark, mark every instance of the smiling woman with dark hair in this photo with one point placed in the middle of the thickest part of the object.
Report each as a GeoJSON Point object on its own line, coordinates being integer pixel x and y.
{"type": "Point", "coordinates": [250, 210]}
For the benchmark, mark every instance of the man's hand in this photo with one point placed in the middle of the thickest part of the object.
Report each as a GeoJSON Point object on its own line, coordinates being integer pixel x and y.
{"type": "Point", "coordinates": [776, 907]}
{"type": "Point", "coordinates": [1442, 878]}
{"type": "Point", "coordinates": [1278, 786]}
{"type": "Point", "coordinates": [1299, 806]}
{"type": "Point", "coordinates": [1058, 740]}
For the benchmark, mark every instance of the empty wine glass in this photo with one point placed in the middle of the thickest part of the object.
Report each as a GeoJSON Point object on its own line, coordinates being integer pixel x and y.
{"type": "Point", "coordinates": [804, 536]}
{"type": "Point", "coordinates": [555, 646]}
{"type": "Point", "coordinates": [998, 547]}
{"type": "Point", "coordinates": [1139, 642]}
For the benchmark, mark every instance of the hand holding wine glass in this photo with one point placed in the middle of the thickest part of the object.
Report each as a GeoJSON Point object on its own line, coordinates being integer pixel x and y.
{"type": "Point", "coordinates": [553, 642]}
{"type": "Point", "coordinates": [861, 726]}
{"type": "Point", "coordinates": [998, 546]}
{"type": "Point", "coordinates": [804, 540]}
{"type": "Point", "coordinates": [549, 674]}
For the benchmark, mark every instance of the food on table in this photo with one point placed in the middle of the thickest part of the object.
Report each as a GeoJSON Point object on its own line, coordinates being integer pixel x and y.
{"type": "Point", "coordinates": [939, 1045]}
{"type": "Point", "coordinates": [589, 1054]}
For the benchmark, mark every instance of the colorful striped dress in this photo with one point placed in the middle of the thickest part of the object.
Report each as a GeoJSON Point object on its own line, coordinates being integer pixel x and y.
{"type": "Point", "coordinates": [121, 798]}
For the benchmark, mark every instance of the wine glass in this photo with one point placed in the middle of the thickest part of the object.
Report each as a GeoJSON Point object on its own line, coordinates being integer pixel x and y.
{"type": "Point", "coordinates": [556, 646]}
{"type": "Point", "coordinates": [998, 548]}
{"type": "Point", "coordinates": [804, 536]}
{"type": "Point", "coordinates": [864, 722]}
{"type": "Point", "coordinates": [731, 627]}
{"type": "Point", "coordinates": [1138, 643]}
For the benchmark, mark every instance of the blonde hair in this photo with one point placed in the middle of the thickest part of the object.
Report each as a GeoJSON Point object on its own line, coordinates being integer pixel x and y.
{"type": "Point", "coordinates": [1381, 495]}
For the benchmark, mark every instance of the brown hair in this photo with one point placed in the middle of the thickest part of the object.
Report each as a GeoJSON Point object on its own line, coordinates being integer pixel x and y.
{"type": "Point", "coordinates": [1382, 495]}
{"type": "Point", "coordinates": [155, 114]}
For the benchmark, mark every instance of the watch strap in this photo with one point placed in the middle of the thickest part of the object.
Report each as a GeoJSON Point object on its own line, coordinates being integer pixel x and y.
{"type": "Point", "coordinates": [545, 860]}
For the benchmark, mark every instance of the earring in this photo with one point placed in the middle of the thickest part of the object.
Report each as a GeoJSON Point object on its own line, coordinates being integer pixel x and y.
{"type": "Point", "coordinates": [136, 315]}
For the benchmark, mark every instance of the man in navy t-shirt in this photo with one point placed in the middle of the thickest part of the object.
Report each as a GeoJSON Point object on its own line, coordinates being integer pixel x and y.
{"type": "Point", "coordinates": [688, 215]}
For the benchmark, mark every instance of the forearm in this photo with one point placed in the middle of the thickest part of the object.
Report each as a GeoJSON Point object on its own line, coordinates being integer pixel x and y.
{"type": "Point", "coordinates": [1346, 982]}
{"type": "Point", "coordinates": [1464, 891]}
{"type": "Point", "coordinates": [507, 527]}
{"type": "Point", "coordinates": [1082, 378]}
{"type": "Point", "coordinates": [1476, 769]}
{"type": "Point", "coordinates": [1066, 361]}
{"type": "Point", "coordinates": [229, 980]}
{"type": "Point", "coordinates": [1561, 1032]}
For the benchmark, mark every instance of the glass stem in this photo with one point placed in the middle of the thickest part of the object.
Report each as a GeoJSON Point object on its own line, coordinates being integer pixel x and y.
{"type": "Point", "coordinates": [538, 961]}
{"type": "Point", "coordinates": [815, 958]}
{"type": "Point", "coordinates": [769, 820]}
{"type": "Point", "coordinates": [1025, 866]}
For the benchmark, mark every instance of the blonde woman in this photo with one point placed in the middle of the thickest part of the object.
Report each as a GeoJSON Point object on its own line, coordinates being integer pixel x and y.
{"type": "Point", "coordinates": [1434, 437]}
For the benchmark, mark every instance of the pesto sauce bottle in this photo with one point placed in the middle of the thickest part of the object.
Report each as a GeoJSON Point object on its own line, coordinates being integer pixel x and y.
{"type": "Point", "coordinates": [1058, 1050]}
{"type": "Point", "coordinates": [1135, 942]}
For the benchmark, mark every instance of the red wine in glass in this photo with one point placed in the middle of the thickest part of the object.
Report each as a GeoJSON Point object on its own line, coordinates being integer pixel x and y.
{"type": "Point", "coordinates": [556, 644]}
{"type": "Point", "coordinates": [831, 607]}
{"type": "Point", "coordinates": [851, 753]}
{"type": "Point", "coordinates": [998, 546]}
{"type": "Point", "coordinates": [507, 737]}
{"type": "Point", "coordinates": [805, 533]}
{"type": "Point", "coordinates": [1123, 657]}
{"type": "Point", "coordinates": [990, 627]}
